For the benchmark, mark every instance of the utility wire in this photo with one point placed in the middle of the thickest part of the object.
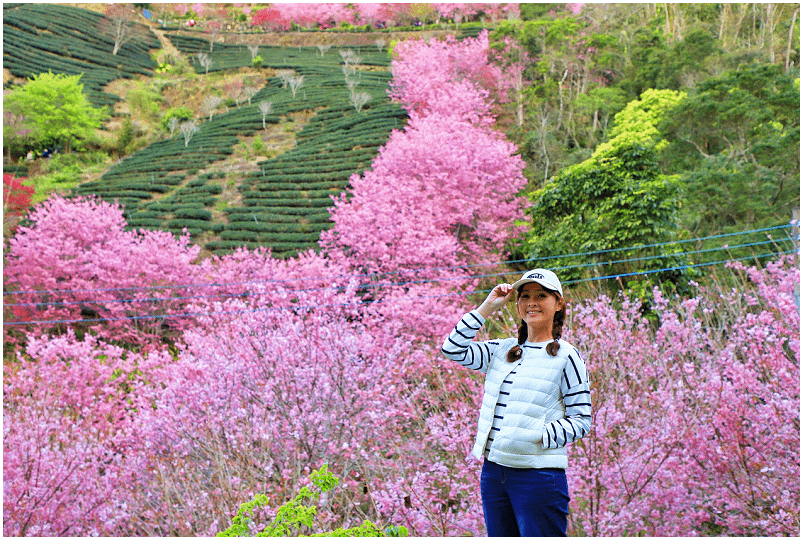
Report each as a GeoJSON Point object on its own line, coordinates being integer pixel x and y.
{"type": "Point", "coordinates": [367, 302]}
{"type": "Point", "coordinates": [366, 286]}
{"type": "Point", "coordinates": [446, 268]}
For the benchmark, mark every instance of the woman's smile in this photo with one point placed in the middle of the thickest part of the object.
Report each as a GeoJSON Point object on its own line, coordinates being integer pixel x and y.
{"type": "Point", "coordinates": [537, 307]}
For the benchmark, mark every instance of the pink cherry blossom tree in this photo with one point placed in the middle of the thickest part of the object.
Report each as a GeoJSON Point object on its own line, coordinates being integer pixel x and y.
{"type": "Point", "coordinates": [450, 77]}
{"type": "Point", "coordinates": [271, 19]}
{"type": "Point", "coordinates": [439, 193]}
{"type": "Point", "coordinates": [77, 263]}
{"type": "Point", "coordinates": [325, 15]}
{"type": "Point", "coordinates": [694, 418]}
{"type": "Point", "coordinates": [68, 405]}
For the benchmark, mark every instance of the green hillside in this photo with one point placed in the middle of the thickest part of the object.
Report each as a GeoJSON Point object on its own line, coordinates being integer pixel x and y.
{"type": "Point", "coordinates": [284, 203]}
{"type": "Point", "coordinates": [38, 38]}
{"type": "Point", "coordinates": [174, 184]}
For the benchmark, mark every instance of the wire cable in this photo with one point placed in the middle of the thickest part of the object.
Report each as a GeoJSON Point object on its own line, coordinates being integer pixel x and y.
{"type": "Point", "coordinates": [398, 272]}
{"type": "Point", "coordinates": [369, 285]}
{"type": "Point", "coordinates": [368, 302]}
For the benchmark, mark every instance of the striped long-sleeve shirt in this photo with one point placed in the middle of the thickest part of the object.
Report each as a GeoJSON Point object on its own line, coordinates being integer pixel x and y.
{"type": "Point", "coordinates": [532, 407]}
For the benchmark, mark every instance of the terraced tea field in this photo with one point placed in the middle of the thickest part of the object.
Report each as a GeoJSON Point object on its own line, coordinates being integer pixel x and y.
{"type": "Point", "coordinates": [182, 183]}
{"type": "Point", "coordinates": [284, 204]}
{"type": "Point", "coordinates": [38, 38]}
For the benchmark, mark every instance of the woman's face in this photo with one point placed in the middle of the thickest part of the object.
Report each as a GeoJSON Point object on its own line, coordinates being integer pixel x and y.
{"type": "Point", "coordinates": [537, 306]}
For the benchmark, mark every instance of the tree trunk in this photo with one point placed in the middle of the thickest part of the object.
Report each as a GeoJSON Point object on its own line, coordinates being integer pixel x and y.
{"type": "Point", "coordinates": [789, 42]}
{"type": "Point", "coordinates": [561, 98]}
{"type": "Point", "coordinates": [770, 31]}
{"type": "Point", "coordinates": [737, 27]}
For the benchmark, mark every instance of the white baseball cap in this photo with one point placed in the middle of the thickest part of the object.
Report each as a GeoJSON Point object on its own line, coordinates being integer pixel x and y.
{"type": "Point", "coordinates": [545, 278]}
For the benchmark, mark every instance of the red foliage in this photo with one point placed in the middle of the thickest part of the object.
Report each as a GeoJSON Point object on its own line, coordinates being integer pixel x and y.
{"type": "Point", "coordinates": [16, 195]}
{"type": "Point", "coordinates": [271, 19]}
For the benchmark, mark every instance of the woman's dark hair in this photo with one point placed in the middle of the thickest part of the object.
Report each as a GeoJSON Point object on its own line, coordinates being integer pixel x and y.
{"type": "Point", "coordinates": [515, 353]}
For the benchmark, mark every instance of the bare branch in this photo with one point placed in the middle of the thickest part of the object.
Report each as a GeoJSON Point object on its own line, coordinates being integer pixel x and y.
{"type": "Point", "coordinates": [249, 92]}
{"type": "Point", "coordinates": [359, 100]}
{"type": "Point", "coordinates": [210, 104]}
{"type": "Point", "coordinates": [120, 25]}
{"type": "Point", "coordinates": [188, 129]}
{"type": "Point", "coordinates": [265, 107]}
{"type": "Point", "coordinates": [205, 61]}
{"type": "Point", "coordinates": [296, 83]}
{"type": "Point", "coordinates": [173, 124]}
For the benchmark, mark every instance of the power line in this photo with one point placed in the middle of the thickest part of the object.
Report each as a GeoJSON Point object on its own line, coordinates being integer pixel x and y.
{"type": "Point", "coordinates": [366, 286]}
{"type": "Point", "coordinates": [446, 268]}
{"type": "Point", "coordinates": [368, 302]}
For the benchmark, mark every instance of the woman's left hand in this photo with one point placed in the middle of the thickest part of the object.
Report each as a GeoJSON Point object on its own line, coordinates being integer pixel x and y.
{"type": "Point", "coordinates": [499, 297]}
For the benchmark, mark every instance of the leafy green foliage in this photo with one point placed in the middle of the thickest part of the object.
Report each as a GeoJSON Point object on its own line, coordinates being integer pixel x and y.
{"type": "Point", "coordinates": [638, 122]}
{"type": "Point", "coordinates": [181, 113]}
{"type": "Point", "coordinates": [56, 108]}
{"type": "Point", "coordinates": [615, 199]}
{"type": "Point", "coordinates": [737, 140]}
{"type": "Point", "coordinates": [43, 37]}
{"type": "Point", "coordinates": [619, 200]}
{"type": "Point", "coordinates": [295, 516]}
{"type": "Point", "coordinates": [646, 51]}
{"type": "Point", "coordinates": [569, 94]}
{"type": "Point", "coordinates": [688, 61]}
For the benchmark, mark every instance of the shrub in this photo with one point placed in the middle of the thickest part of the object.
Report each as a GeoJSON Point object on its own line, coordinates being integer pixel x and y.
{"type": "Point", "coordinates": [76, 256]}
{"type": "Point", "coordinates": [193, 213]}
{"type": "Point", "coordinates": [693, 417]}
{"type": "Point", "coordinates": [181, 113]}
{"type": "Point", "coordinates": [67, 411]}
{"type": "Point", "coordinates": [16, 195]}
{"type": "Point", "coordinates": [293, 516]}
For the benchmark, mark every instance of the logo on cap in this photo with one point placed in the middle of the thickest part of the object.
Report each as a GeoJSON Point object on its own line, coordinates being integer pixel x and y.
{"type": "Point", "coordinates": [535, 276]}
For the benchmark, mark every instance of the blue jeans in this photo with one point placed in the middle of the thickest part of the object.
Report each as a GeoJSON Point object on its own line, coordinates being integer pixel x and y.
{"type": "Point", "coordinates": [524, 502]}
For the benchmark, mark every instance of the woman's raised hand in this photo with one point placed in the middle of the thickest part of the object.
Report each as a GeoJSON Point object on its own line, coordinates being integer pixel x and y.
{"type": "Point", "coordinates": [499, 296]}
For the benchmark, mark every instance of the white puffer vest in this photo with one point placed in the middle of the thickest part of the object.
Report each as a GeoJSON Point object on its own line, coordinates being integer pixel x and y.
{"type": "Point", "coordinates": [535, 398]}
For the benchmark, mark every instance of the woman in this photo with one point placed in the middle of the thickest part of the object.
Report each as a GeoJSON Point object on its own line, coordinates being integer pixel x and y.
{"type": "Point", "coordinates": [536, 400]}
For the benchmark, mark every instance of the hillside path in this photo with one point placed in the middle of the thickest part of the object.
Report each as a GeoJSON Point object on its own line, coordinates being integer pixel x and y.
{"type": "Point", "coordinates": [166, 44]}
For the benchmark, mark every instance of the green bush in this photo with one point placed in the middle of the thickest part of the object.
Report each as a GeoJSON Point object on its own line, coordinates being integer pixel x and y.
{"type": "Point", "coordinates": [111, 193]}
{"type": "Point", "coordinates": [144, 223]}
{"type": "Point", "coordinates": [193, 213]}
{"type": "Point", "coordinates": [258, 145]}
{"type": "Point", "coordinates": [293, 515]}
{"type": "Point", "coordinates": [194, 224]}
{"type": "Point", "coordinates": [125, 137]}
{"type": "Point", "coordinates": [182, 113]}
{"type": "Point", "coordinates": [142, 98]}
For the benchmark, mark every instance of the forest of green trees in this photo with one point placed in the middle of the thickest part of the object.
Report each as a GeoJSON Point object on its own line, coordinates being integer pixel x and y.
{"type": "Point", "coordinates": [647, 123]}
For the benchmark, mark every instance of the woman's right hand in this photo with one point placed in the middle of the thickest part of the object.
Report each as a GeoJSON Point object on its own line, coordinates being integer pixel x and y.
{"type": "Point", "coordinates": [499, 296]}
